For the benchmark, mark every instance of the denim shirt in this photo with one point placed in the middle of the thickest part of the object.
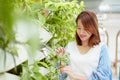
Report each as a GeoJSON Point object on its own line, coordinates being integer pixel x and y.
{"type": "Point", "coordinates": [103, 70]}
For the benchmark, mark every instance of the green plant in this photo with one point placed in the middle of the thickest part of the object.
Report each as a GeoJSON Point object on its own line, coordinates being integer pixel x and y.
{"type": "Point", "coordinates": [57, 17]}
{"type": "Point", "coordinates": [8, 19]}
{"type": "Point", "coordinates": [51, 63]}
{"type": "Point", "coordinates": [31, 72]}
{"type": "Point", "coordinates": [7, 34]}
{"type": "Point", "coordinates": [54, 63]}
{"type": "Point", "coordinates": [61, 21]}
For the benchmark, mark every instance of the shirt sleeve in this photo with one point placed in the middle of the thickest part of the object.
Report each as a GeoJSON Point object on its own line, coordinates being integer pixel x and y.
{"type": "Point", "coordinates": [103, 71]}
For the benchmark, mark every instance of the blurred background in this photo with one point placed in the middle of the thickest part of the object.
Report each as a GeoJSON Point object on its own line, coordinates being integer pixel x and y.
{"type": "Point", "coordinates": [31, 31]}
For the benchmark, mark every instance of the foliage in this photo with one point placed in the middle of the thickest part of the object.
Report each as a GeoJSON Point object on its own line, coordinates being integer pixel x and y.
{"type": "Point", "coordinates": [31, 72]}
{"type": "Point", "coordinates": [8, 42]}
{"type": "Point", "coordinates": [56, 16]}
{"type": "Point", "coordinates": [6, 23]}
{"type": "Point", "coordinates": [51, 63]}
{"type": "Point", "coordinates": [61, 21]}
{"type": "Point", "coordinates": [54, 62]}
{"type": "Point", "coordinates": [7, 35]}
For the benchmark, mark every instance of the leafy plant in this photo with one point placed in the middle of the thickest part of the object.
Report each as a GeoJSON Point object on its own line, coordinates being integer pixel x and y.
{"type": "Point", "coordinates": [31, 72]}
{"type": "Point", "coordinates": [7, 35]}
{"type": "Point", "coordinates": [58, 18]}
{"type": "Point", "coordinates": [61, 21]}
{"type": "Point", "coordinates": [9, 9]}
{"type": "Point", "coordinates": [51, 63]}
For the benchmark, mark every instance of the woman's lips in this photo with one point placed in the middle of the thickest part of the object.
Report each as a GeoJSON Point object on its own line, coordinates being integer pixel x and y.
{"type": "Point", "coordinates": [82, 36]}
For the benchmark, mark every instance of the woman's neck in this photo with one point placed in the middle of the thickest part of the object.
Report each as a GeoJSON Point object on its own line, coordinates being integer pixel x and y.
{"type": "Point", "coordinates": [85, 44]}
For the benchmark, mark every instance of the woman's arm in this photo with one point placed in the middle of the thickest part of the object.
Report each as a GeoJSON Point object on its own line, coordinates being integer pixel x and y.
{"type": "Point", "coordinates": [71, 74]}
{"type": "Point", "coordinates": [103, 71]}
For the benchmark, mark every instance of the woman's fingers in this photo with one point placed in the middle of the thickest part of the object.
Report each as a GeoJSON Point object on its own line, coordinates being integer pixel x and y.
{"type": "Point", "coordinates": [60, 50]}
{"type": "Point", "coordinates": [63, 50]}
{"type": "Point", "coordinates": [66, 69]}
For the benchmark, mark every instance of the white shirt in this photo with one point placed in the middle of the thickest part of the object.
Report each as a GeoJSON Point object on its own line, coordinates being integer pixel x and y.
{"type": "Point", "coordinates": [83, 64]}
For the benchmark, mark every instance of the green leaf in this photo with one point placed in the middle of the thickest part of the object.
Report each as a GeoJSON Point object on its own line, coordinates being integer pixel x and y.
{"type": "Point", "coordinates": [44, 64]}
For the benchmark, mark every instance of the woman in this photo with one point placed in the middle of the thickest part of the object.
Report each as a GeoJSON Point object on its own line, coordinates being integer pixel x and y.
{"type": "Point", "coordinates": [89, 58]}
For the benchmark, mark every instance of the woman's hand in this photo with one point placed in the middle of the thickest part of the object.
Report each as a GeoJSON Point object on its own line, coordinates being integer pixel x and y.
{"type": "Point", "coordinates": [71, 74]}
{"type": "Point", "coordinates": [60, 51]}
{"type": "Point", "coordinates": [67, 70]}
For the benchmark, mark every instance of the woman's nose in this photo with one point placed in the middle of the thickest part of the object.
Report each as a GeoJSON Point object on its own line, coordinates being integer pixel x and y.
{"type": "Point", "coordinates": [82, 31]}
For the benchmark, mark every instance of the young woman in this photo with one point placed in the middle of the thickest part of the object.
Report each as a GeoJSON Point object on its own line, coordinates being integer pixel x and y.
{"type": "Point", "coordinates": [89, 58]}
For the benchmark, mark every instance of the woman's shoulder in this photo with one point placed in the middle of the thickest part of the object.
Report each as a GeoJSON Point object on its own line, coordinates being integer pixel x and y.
{"type": "Point", "coordinates": [98, 48]}
{"type": "Point", "coordinates": [103, 45]}
{"type": "Point", "coordinates": [103, 49]}
{"type": "Point", "coordinates": [100, 45]}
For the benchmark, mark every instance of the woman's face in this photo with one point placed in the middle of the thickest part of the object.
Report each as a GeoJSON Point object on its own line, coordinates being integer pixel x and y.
{"type": "Point", "coordinates": [83, 33]}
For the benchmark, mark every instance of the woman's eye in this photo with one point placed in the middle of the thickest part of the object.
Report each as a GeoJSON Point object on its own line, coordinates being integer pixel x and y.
{"type": "Point", "coordinates": [78, 28]}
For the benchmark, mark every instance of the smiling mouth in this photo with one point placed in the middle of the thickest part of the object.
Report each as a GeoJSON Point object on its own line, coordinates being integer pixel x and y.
{"type": "Point", "coordinates": [82, 36]}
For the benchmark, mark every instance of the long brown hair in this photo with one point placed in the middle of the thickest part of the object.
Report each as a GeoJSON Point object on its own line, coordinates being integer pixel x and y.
{"type": "Point", "coordinates": [89, 21]}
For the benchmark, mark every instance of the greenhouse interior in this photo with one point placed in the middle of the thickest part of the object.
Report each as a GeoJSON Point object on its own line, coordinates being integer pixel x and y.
{"type": "Point", "coordinates": [35, 33]}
